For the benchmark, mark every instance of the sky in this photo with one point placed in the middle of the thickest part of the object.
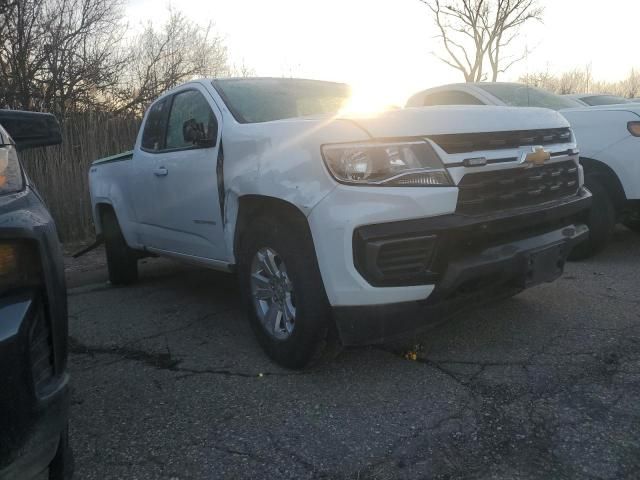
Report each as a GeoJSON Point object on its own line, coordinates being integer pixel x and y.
{"type": "Point", "coordinates": [387, 47]}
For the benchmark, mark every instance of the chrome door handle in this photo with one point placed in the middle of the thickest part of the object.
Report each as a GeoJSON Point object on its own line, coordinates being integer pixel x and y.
{"type": "Point", "coordinates": [161, 172]}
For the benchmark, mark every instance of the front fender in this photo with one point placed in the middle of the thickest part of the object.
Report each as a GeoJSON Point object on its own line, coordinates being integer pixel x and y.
{"type": "Point", "coordinates": [281, 160]}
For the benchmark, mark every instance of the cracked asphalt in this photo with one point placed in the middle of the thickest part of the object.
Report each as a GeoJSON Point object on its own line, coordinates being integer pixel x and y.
{"type": "Point", "coordinates": [168, 383]}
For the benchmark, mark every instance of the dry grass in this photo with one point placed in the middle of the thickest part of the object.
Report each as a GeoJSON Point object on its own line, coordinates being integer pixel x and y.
{"type": "Point", "coordinates": [61, 173]}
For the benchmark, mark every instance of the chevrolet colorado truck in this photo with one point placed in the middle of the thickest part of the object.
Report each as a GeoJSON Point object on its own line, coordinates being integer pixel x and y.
{"type": "Point", "coordinates": [354, 228]}
{"type": "Point", "coordinates": [609, 139]}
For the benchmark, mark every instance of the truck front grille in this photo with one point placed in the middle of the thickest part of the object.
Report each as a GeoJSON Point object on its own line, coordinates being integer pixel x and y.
{"type": "Point", "coordinates": [484, 192]}
{"type": "Point", "coordinates": [474, 142]}
{"type": "Point", "coordinates": [41, 351]}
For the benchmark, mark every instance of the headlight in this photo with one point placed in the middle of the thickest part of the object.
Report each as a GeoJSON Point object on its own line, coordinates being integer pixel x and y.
{"type": "Point", "coordinates": [400, 164]}
{"type": "Point", "coordinates": [634, 128]}
{"type": "Point", "coordinates": [10, 174]}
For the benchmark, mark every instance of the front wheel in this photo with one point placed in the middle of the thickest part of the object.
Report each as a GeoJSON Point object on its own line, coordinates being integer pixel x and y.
{"type": "Point", "coordinates": [601, 221]}
{"type": "Point", "coordinates": [281, 283]}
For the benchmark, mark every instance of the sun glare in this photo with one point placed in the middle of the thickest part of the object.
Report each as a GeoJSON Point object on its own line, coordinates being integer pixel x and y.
{"type": "Point", "coordinates": [368, 100]}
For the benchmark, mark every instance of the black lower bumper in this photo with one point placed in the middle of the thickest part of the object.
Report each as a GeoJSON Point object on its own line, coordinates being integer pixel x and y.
{"type": "Point", "coordinates": [477, 260]}
{"type": "Point", "coordinates": [32, 423]}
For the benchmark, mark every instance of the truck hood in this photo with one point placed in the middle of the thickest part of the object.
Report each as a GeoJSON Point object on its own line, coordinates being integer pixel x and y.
{"type": "Point", "coordinates": [421, 121]}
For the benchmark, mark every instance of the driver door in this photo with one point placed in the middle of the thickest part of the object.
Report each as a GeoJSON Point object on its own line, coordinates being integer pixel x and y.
{"type": "Point", "coordinates": [186, 208]}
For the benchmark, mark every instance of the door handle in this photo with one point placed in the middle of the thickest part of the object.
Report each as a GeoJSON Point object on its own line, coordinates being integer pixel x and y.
{"type": "Point", "coordinates": [161, 172]}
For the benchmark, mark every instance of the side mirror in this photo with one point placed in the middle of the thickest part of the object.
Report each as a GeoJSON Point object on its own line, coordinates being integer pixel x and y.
{"type": "Point", "coordinates": [31, 129]}
{"type": "Point", "coordinates": [194, 133]}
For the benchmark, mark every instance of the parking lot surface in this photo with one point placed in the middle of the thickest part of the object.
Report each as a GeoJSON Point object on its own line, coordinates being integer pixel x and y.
{"type": "Point", "coordinates": [168, 382]}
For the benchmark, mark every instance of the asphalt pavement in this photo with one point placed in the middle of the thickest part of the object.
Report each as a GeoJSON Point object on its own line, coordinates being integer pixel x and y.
{"type": "Point", "coordinates": [169, 383]}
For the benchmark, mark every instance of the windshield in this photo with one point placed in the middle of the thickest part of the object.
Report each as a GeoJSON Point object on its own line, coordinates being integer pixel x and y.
{"type": "Point", "coordinates": [517, 95]}
{"type": "Point", "coordinates": [264, 100]}
{"type": "Point", "coordinates": [594, 100]}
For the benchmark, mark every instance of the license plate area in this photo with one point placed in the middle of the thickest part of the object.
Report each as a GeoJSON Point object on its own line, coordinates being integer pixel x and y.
{"type": "Point", "coordinates": [545, 265]}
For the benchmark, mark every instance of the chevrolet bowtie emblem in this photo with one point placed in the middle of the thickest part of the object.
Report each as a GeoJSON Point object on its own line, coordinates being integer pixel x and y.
{"type": "Point", "coordinates": [539, 156]}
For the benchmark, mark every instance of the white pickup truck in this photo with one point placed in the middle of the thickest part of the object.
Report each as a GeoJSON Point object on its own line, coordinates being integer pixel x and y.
{"type": "Point", "coordinates": [366, 228]}
{"type": "Point", "coordinates": [609, 140]}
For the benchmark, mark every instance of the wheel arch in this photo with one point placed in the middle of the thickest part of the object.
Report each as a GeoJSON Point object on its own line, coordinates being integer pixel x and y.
{"type": "Point", "coordinates": [608, 178]}
{"type": "Point", "coordinates": [254, 206]}
{"type": "Point", "coordinates": [98, 213]}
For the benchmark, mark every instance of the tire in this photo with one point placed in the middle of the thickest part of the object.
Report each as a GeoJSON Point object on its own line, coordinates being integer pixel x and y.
{"type": "Point", "coordinates": [601, 220]}
{"type": "Point", "coordinates": [62, 465]}
{"type": "Point", "coordinates": [299, 333]}
{"type": "Point", "coordinates": [122, 261]}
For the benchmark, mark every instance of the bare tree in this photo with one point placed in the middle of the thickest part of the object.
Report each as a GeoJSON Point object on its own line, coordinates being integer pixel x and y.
{"type": "Point", "coordinates": [82, 52]}
{"type": "Point", "coordinates": [502, 29]}
{"type": "Point", "coordinates": [59, 54]}
{"type": "Point", "coordinates": [242, 70]}
{"type": "Point", "coordinates": [477, 32]}
{"type": "Point", "coordinates": [462, 30]}
{"type": "Point", "coordinates": [572, 81]}
{"type": "Point", "coordinates": [580, 80]}
{"type": "Point", "coordinates": [21, 53]}
{"type": "Point", "coordinates": [631, 86]}
{"type": "Point", "coordinates": [73, 55]}
{"type": "Point", "coordinates": [7, 8]}
{"type": "Point", "coordinates": [163, 58]}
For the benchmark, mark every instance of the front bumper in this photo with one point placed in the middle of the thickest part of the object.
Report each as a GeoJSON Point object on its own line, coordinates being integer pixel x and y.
{"type": "Point", "coordinates": [473, 259]}
{"type": "Point", "coordinates": [350, 212]}
{"type": "Point", "coordinates": [469, 280]}
{"type": "Point", "coordinates": [34, 393]}
{"type": "Point", "coordinates": [35, 414]}
{"type": "Point", "coordinates": [420, 251]}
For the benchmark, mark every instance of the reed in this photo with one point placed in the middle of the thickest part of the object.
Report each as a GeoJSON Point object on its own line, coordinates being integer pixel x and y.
{"type": "Point", "coordinates": [61, 173]}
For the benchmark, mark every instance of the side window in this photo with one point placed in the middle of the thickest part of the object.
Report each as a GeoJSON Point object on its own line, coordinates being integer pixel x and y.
{"type": "Point", "coordinates": [191, 122]}
{"type": "Point", "coordinates": [155, 126]}
{"type": "Point", "coordinates": [452, 97]}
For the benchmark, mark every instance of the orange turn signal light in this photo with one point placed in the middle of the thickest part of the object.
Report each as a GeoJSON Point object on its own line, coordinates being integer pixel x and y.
{"type": "Point", "coordinates": [8, 259]}
{"type": "Point", "coordinates": [634, 128]}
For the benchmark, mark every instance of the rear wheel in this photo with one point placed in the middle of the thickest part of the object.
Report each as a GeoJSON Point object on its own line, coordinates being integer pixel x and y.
{"type": "Point", "coordinates": [601, 221]}
{"type": "Point", "coordinates": [281, 283]}
{"type": "Point", "coordinates": [122, 261]}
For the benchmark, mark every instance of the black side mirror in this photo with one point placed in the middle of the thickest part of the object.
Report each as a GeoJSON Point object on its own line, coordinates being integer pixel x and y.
{"type": "Point", "coordinates": [31, 129]}
{"type": "Point", "coordinates": [194, 133]}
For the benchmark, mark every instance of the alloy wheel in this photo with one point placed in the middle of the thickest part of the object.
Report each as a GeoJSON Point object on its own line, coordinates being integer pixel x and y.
{"type": "Point", "coordinates": [272, 293]}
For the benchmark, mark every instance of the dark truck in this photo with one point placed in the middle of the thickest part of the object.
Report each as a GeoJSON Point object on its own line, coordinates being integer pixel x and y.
{"type": "Point", "coordinates": [34, 393]}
